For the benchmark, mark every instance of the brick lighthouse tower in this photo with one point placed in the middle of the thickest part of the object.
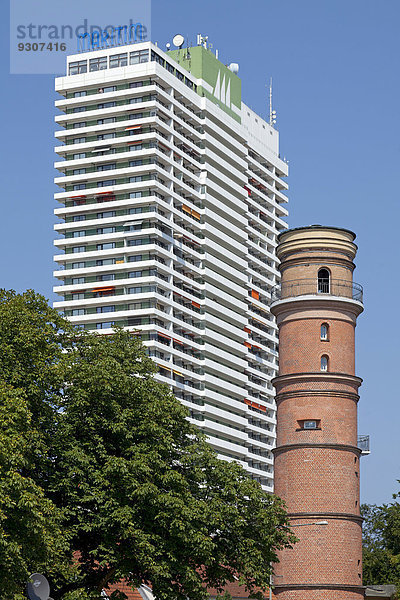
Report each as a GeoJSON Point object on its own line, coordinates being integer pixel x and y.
{"type": "Point", "coordinates": [317, 461]}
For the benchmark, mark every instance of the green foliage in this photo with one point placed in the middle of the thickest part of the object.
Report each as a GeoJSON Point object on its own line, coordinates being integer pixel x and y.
{"type": "Point", "coordinates": [30, 524]}
{"type": "Point", "coordinates": [381, 544]}
{"type": "Point", "coordinates": [119, 484]}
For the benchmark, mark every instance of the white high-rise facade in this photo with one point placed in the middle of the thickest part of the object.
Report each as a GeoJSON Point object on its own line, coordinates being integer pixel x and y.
{"type": "Point", "coordinates": [170, 206]}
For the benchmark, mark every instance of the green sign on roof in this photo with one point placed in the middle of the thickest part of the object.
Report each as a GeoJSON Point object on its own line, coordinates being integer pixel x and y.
{"type": "Point", "coordinates": [221, 86]}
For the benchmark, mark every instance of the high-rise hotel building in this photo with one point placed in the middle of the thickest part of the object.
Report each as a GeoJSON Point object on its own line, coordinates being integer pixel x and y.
{"type": "Point", "coordinates": [171, 199]}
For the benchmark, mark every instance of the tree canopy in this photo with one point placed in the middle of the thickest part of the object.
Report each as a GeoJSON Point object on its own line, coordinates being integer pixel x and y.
{"type": "Point", "coordinates": [381, 543]}
{"type": "Point", "coordinates": [99, 460]}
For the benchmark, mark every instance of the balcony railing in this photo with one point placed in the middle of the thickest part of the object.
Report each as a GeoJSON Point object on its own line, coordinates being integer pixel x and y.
{"type": "Point", "coordinates": [363, 444]}
{"type": "Point", "coordinates": [322, 288]}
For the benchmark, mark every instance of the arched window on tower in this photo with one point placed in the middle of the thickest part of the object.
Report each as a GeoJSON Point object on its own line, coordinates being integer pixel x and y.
{"type": "Point", "coordinates": [323, 281]}
{"type": "Point", "coordinates": [324, 362]}
{"type": "Point", "coordinates": [324, 332]}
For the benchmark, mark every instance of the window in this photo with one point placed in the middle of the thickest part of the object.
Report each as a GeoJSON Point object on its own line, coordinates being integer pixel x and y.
{"type": "Point", "coordinates": [106, 136]}
{"type": "Point", "coordinates": [78, 265]}
{"type": "Point", "coordinates": [135, 258]}
{"type": "Point", "coordinates": [106, 246]}
{"type": "Point", "coordinates": [103, 230]}
{"type": "Point", "coordinates": [80, 140]}
{"type": "Point", "coordinates": [106, 105]}
{"type": "Point", "coordinates": [78, 218]}
{"type": "Point", "coordinates": [79, 296]}
{"type": "Point", "coordinates": [136, 84]}
{"type": "Point", "coordinates": [135, 179]}
{"type": "Point", "coordinates": [78, 156]}
{"type": "Point", "coordinates": [79, 186]}
{"type": "Point", "coordinates": [105, 325]}
{"type": "Point", "coordinates": [137, 210]}
{"type": "Point", "coordinates": [77, 280]}
{"type": "Point", "coordinates": [79, 94]}
{"type": "Point", "coordinates": [106, 277]}
{"type": "Point", "coordinates": [107, 182]}
{"type": "Point", "coordinates": [78, 233]}
{"type": "Point", "coordinates": [189, 83]}
{"type": "Point", "coordinates": [98, 64]}
{"type": "Point", "coordinates": [78, 171]}
{"type": "Point", "coordinates": [323, 281]}
{"type": "Point", "coordinates": [169, 68]}
{"type": "Point", "coordinates": [324, 332]}
{"type": "Point", "coordinates": [76, 312]}
{"type": "Point", "coordinates": [119, 60]}
{"type": "Point", "coordinates": [137, 115]}
{"type": "Point", "coordinates": [324, 363]}
{"type": "Point", "coordinates": [310, 425]}
{"type": "Point", "coordinates": [135, 274]}
{"type": "Point", "coordinates": [134, 226]}
{"type": "Point", "coordinates": [137, 57]}
{"type": "Point", "coordinates": [179, 75]}
{"type": "Point", "coordinates": [135, 195]}
{"type": "Point", "coordinates": [79, 124]}
{"type": "Point", "coordinates": [79, 109]}
{"type": "Point", "coordinates": [76, 249]}
{"type": "Point", "coordinates": [140, 241]}
{"type": "Point", "coordinates": [157, 58]}
{"type": "Point", "coordinates": [110, 88]}
{"type": "Point", "coordinates": [104, 262]}
{"type": "Point", "coordinates": [105, 121]}
{"type": "Point", "coordinates": [136, 163]}
{"type": "Point", "coordinates": [136, 290]}
{"type": "Point", "coordinates": [105, 309]}
{"type": "Point", "coordinates": [106, 215]}
{"type": "Point", "coordinates": [107, 167]}
{"type": "Point", "coordinates": [79, 66]}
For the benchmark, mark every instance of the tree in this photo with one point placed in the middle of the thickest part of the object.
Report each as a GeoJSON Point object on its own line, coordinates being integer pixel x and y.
{"type": "Point", "coordinates": [381, 543]}
{"type": "Point", "coordinates": [31, 535]}
{"type": "Point", "coordinates": [140, 494]}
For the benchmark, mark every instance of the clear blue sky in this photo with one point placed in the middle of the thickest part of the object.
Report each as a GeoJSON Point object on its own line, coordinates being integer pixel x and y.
{"type": "Point", "coordinates": [337, 94]}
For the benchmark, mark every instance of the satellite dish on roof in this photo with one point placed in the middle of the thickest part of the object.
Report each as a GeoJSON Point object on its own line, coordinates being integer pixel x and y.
{"type": "Point", "coordinates": [38, 587]}
{"type": "Point", "coordinates": [178, 40]}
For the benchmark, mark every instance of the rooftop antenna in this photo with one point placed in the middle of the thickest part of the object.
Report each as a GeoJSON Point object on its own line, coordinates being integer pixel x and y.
{"type": "Point", "coordinates": [272, 113]}
{"type": "Point", "coordinates": [202, 40]}
{"type": "Point", "coordinates": [188, 57]}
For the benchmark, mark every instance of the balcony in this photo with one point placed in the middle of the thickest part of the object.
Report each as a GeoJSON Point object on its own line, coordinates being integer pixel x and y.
{"type": "Point", "coordinates": [363, 444]}
{"type": "Point", "coordinates": [321, 288]}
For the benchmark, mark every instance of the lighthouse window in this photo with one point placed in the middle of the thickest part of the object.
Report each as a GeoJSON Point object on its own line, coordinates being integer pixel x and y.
{"type": "Point", "coordinates": [309, 424]}
{"type": "Point", "coordinates": [324, 332]}
{"type": "Point", "coordinates": [323, 281]}
{"type": "Point", "coordinates": [324, 363]}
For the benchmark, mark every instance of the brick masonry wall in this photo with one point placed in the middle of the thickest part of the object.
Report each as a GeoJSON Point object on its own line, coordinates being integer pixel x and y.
{"type": "Point", "coordinates": [300, 335]}
{"type": "Point", "coordinates": [317, 471]}
{"type": "Point", "coordinates": [336, 414]}
{"type": "Point", "coordinates": [318, 480]}
{"type": "Point", "coordinates": [329, 554]}
{"type": "Point", "coordinates": [314, 594]}
{"type": "Point", "coordinates": [305, 265]}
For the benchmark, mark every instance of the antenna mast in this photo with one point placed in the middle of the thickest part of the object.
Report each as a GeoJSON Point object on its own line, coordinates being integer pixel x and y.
{"type": "Point", "coordinates": [272, 113]}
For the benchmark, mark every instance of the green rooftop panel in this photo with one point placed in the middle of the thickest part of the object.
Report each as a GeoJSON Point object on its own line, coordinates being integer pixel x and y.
{"type": "Point", "coordinates": [224, 87]}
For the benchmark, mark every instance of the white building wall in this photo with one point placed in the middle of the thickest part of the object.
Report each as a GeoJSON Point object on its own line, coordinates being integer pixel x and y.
{"type": "Point", "coordinates": [168, 213]}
